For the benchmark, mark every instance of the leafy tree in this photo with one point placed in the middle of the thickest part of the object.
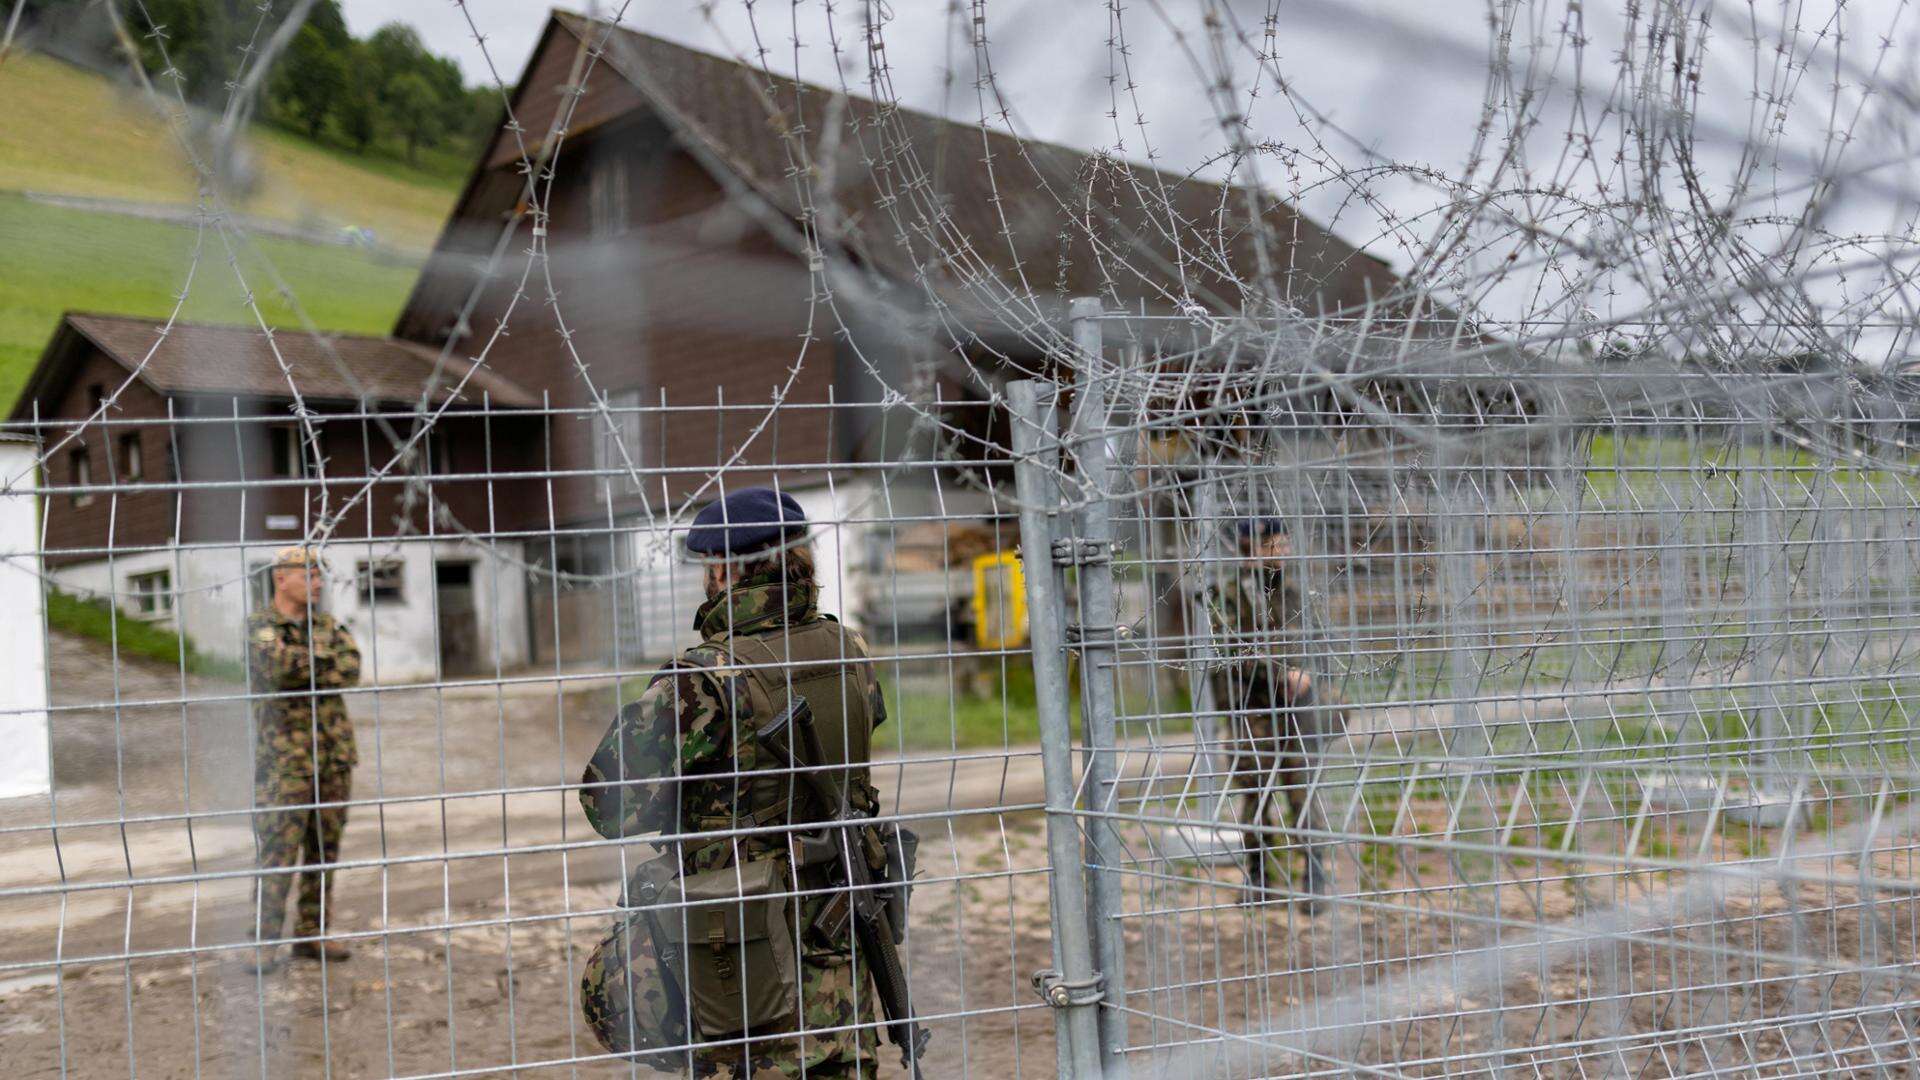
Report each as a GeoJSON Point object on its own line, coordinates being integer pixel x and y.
{"type": "Point", "coordinates": [388, 85]}
{"type": "Point", "coordinates": [309, 80]}
{"type": "Point", "coordinates": [202, 38]}
{"type": "Point", "coordinates": [393, 51]}
{"type": "Point", "coordinates": [416, 89]}
{"type": "Point", "coordinates": [480, 112]}
{"type": "Point", "coordinates": [327, 20]}
{"type": "Point", "coordinates": [416, 111]}
{"type": "Point", "coordinates": [358, 109]}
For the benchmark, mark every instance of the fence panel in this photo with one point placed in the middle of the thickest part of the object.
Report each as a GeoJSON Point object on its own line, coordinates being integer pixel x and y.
{"type": "Point", "coordinates": [1567, 737]}
{"type": "Point", "coordinates": [1362, 576]}
{"type": "Point", "coordinates": [469, 886]}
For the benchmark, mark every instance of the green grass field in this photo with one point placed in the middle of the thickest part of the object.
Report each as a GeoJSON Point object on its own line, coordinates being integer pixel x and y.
{"type": "Point", "coordinates": [95, 619]}
{"type": "Point", "coordinates": [58, 260]}
{"type": "Point", "coordinates": [71, 132]}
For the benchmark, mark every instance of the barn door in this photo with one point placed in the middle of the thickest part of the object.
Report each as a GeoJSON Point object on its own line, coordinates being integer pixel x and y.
{"type": "Point", "coordinates": [459, 621]}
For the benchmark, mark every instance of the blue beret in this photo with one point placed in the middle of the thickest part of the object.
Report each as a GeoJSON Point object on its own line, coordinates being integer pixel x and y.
{"type": "Point", "coordinates": [1261, 526]}
{"type": "Point", "coordinates": [745, 522]}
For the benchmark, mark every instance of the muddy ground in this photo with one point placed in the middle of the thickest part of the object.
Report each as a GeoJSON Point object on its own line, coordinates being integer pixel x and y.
{"type": "Point", "coordinates": [471, 912]}
{"type": "Point", "coordinates": [497, 994]}
{"type": "Point", "coordinates": [1406, 982]}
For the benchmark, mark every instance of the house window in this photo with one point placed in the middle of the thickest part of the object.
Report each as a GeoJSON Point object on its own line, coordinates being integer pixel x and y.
{"type": "Point", "coordinates": [289, 453]}
{"type": "Point", "coordinates": [607, 195]}
{"type": "Point", "coordinates": [96, 397]}
{"type": "Point", "coordinates": [259, 585]}
{"type": "Point", "coordinates": [132, 465]}
{"type": "Point", "coordinates": [439, 450]}
{"type": "Point", "coordinates": [80, 467]}
{"type": "Point", "coordinates": [381, 580]}
{"type": "Point", "coordinates": [152, 594]}
{"type": "Point", "coordinates": [622, 429]}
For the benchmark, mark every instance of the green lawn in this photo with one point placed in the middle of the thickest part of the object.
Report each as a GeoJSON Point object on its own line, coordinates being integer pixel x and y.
{"type": "Point", "coordinates": [1002, 711]}
{"type": "Point", "coordinates": [72, 132]}
{"type": "Point", "coordinates": [67, 131]}
{"type": "Point", "coordinates": [54, 260]}
{"type": "Point", "coordinates": [1657, 471]}
{"type": "Point", "coordinates": [96, 620]}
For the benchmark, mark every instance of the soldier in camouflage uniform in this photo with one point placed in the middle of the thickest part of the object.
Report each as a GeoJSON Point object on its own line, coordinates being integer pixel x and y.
{"type": "Point", "coordinates": [299, 659]}
{"type": "Point", "coordinates": [680, 760]}
{"type": "Point", "coordinates": [1277, 716]}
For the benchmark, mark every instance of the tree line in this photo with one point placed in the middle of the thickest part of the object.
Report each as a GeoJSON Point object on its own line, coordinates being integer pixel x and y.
{"type": "Point", "coordinates": [385, 89]}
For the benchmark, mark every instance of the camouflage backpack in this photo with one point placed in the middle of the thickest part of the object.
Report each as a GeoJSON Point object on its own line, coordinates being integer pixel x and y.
{"type": "Point", "coordinates": [707, 955]}
{"type": "Point", "coordinates": [718, 947]}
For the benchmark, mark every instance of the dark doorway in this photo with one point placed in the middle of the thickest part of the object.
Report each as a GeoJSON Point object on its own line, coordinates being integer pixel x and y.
{"type": "Point", "coordinates": [459, 621]}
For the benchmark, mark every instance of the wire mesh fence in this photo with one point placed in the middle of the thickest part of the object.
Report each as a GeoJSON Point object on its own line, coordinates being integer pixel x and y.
{"type": "Point", "coordinates": [469, 886]}
{"type": "Point", "coordinates": [1566, 734]}
{"type": "Point", "coordinates": [1572, 736]}
{"type": "Point", "coordinates": [1291, 664]}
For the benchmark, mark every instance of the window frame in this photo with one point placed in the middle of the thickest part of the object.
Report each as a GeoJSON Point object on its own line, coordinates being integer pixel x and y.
{"type": "Point", "coordinates": [133, 457]}
{"type": "Point", "coordinates": [626, 409]}
{"type": "Point", "coordinates": [80, 473]}
{"type": "Point", "coordinates": [372, 593]}
{"type": "Point", "coordinates": [439, 449]}
{"type": "Point", "coordinates": [259, 585]}
{"type": "Point", "coordinates": [287, 453]}
{"type": "Point", "coordinates": [151, 602]}
{"type": "Point", "coordinates": [609, 212]}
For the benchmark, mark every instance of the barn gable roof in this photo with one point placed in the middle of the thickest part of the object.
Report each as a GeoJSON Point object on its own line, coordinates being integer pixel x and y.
{"type": "Point", "coordinates": [973, 211]}
{"type": "Point", "coordinates": [205, 358]}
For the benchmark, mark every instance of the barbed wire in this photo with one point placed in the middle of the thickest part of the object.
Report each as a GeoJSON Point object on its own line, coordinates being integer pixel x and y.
{"type": "Point", "coordinates": [1614, 247]}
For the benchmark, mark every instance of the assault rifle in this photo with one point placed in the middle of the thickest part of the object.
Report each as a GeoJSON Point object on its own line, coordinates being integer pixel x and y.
{"type": "Point", "coordinates": [790, 737]}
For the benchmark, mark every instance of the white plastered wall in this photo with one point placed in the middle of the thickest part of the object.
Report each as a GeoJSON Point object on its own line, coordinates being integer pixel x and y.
{"type": "Point", "coordinates": [399, 641]}
{"type": "Point", "coordinates": [25, 767]}
{"type": "Point", "coordinates": [667, 589]}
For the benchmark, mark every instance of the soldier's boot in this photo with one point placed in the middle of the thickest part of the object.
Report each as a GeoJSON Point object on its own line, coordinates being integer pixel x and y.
{"type": "Point", "coordinates": [255, 958]}
{"type": "Point", "coordinates": [1319, 885]}
{"type": "Point", "coordinates": [333, 952]}
{"type": "Point", "coordinates": [1256, 856]}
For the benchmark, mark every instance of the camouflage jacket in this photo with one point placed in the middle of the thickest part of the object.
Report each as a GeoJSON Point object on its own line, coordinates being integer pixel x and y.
{"type": "Point", "coordinates": [668, 763]}
{"type": "Point", "coordinates": [282, 661]}
{"type": "Point", "coordinates": [1254, 613]}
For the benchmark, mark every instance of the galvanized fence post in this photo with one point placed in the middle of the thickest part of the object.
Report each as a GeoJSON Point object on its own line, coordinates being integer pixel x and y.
{"type": "Point", "coordinates": [1092, 552]}
{"type": "Point", "coordinates": [1073, 987]}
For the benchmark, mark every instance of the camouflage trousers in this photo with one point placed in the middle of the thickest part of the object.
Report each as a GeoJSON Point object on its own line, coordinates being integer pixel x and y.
{"type": "Point", "coordinates": [308, 836]}
{"type": "Point", "coordinates": [1274, 745]}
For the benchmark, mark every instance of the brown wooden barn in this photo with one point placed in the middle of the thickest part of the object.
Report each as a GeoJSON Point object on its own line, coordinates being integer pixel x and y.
{"type": "Point", "coordinates": [179, 492]}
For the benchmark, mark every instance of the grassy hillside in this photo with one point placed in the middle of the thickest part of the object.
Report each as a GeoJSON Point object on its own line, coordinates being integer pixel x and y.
{"type": "Point", "coordinates": [69, 132]}
{"type": "Point", "coordinates": [95, 619]}
{"type": "Point", "coordinates": [72, 132]}
{"type": "Point", "coordinates": [53, 260]}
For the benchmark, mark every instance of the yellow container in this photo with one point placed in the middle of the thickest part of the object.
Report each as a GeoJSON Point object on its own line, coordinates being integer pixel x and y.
{"type": "Point", "coordinates": [999, 601]}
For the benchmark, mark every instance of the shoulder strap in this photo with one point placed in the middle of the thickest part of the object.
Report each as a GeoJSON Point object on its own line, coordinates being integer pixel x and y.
{"type": "Point", "coordinates": [781, 665]}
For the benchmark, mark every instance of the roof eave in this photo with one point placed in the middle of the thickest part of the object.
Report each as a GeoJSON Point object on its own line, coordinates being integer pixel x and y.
{"type": "Point", "coordinates": [53, 369]}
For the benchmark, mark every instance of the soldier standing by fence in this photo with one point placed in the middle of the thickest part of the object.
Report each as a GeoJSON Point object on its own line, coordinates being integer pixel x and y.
{"type": "Point", "coordinates": [687, 758]}
{"type": "Point", "coordinates": [299, 659]}
{"type": "Point", "coordinates": [1277, 715]}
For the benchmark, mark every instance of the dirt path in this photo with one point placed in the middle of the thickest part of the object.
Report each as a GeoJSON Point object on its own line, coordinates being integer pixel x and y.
{"type": "Point", "coordinates": [473, 892]}
{"type": "Point", "coordinates": [470, 863]}
{"type": "Point", "coordinates": [488, 983]}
